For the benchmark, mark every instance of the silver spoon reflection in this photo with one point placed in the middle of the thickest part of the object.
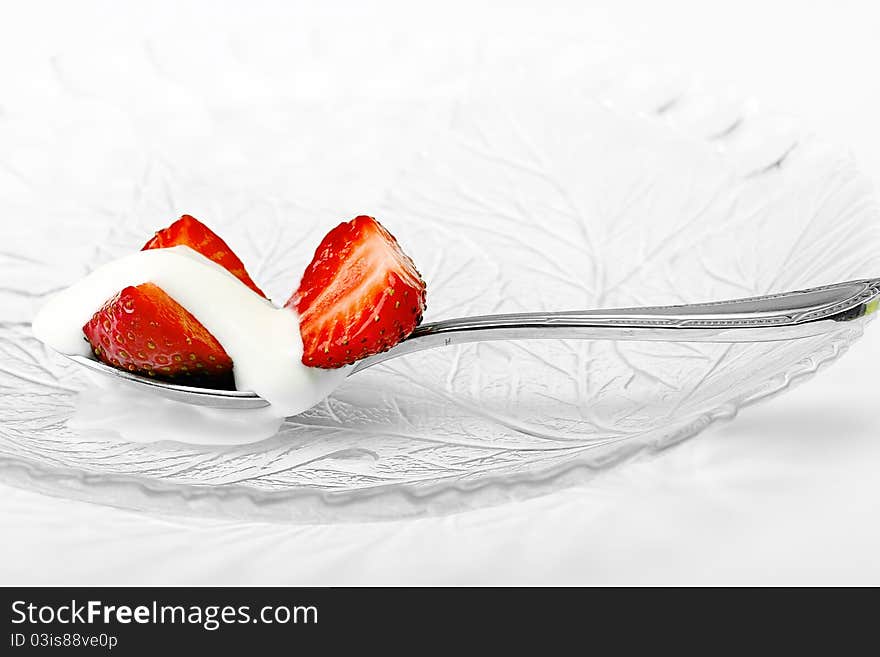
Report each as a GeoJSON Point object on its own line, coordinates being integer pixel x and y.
{"type": "Point", "coordinates": [775, 317]}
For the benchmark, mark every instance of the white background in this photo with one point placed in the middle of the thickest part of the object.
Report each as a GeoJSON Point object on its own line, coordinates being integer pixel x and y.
{"type": "Point", "coordinates": [787, 493]}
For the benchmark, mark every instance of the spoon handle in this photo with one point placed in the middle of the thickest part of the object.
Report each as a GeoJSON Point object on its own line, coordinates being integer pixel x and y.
{"type": "Point", "coordinates": [784, 316]}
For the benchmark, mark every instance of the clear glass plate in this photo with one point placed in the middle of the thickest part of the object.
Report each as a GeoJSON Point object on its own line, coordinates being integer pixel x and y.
{"type": "Point", "coordinates": [513, 192]}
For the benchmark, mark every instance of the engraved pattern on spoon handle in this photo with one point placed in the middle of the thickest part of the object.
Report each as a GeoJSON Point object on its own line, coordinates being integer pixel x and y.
{"type": "Point", "coordinates": [784, 316]}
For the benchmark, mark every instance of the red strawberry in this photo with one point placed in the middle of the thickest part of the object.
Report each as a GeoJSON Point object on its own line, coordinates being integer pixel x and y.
{"type": "Point", "coordinates": [360, 295]}
{"type": "Point", "coordinates": [144, 330]}
{"type": "Point", "coordinates": [191, 232]}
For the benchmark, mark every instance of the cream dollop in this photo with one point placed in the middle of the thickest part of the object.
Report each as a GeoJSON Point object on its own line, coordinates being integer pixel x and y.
{"type": "Point", "coordinates": [263, 340]}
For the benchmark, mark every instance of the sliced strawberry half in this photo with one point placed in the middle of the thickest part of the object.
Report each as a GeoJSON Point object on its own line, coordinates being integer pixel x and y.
{"type": "Point", "coordinates": [144, 330]}
{"type": "Point", "coordinates": [360, 295]}
{"type": "Point", "coordinates": [189, 231]}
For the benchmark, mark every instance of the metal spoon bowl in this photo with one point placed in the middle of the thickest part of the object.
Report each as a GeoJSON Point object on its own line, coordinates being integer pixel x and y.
{"type": "Point", "coordinates": [783, 316]}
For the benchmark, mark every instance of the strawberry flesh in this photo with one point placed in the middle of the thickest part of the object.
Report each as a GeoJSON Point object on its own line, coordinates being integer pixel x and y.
{"type": "Point", "coordinates": [191, 232]}
{"type": "Point", "coordinates": [144, 330]}
{"type": "Point", "coordinates": [360, 295]}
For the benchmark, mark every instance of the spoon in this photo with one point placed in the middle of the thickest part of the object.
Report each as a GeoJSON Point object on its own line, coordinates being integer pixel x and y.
{"type": "Point", "coordinates": [774, 317]}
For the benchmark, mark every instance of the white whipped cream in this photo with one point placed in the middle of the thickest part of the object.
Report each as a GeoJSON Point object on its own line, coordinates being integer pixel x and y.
{"type": "Point", "coordinates": [263, 341]}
